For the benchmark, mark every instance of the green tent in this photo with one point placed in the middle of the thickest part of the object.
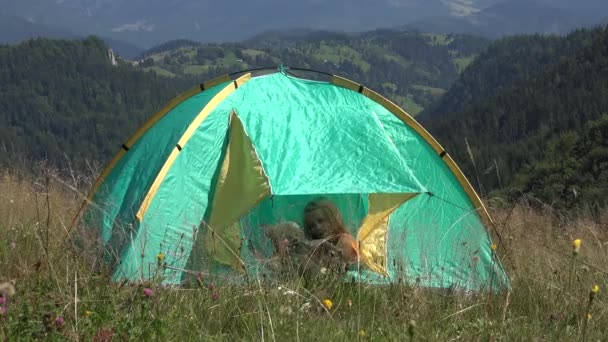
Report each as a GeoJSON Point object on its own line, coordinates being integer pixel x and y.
{"type": "Point", "coordinates": [198, 181]}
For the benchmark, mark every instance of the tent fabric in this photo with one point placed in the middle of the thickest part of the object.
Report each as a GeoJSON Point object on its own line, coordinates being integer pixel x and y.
{"type": "Point", "coordinates": [242, 184]}
{"type": "Point", "coordinates": [125, 185]}
{"type": "Point", "coordinates": [251, 153]}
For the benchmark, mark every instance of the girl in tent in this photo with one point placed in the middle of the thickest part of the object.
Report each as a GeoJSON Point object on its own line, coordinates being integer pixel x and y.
{"type": "Point", "coordinates": [323, 225]}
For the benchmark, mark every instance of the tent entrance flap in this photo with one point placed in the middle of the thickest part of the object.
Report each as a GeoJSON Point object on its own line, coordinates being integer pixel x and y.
{"type": "Point", "coordinates": [372, 235]}
{"type": "Point", "coordinates": [241, 185]}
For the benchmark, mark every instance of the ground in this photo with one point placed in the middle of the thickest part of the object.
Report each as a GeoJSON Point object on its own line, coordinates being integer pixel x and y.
{"type": "Point", "coordinates": [56, 297]}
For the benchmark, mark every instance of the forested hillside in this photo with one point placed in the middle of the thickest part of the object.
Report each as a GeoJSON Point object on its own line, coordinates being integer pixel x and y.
{"type": "Point", "coordinates": [413, 69]}
{"type": "Point", "coordinates": [530, 111]}
{"type": "Point", "coordinates": [505, 62]}
{"type": "Point", "coordinates": [545, 128]}
{"type": "Point", "coordinates": [63, 100]}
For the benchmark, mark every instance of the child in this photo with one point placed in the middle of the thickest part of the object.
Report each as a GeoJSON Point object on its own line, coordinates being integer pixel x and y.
{"type": "Point", "coordinates": [323, 225]}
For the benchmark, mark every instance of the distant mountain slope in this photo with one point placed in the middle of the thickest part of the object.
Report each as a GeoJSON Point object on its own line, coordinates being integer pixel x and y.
{"type": "Point", "coordinates": [150, 22]}
{"type": "Point", "coordinates": [413, 69]}
{"type": "Point", "coordinates": [63, 99]}
{"type": "Point", "coordinates": [536, 130]}
{"type": "Point", "coordinates": [15, 30]}
{"type": "Point", "coordinates": [507, 18]}
{"type": "Point", "coordinates": [503, 63]}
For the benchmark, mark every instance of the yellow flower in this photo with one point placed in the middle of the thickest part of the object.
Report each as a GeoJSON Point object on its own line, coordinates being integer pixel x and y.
{"type": "Point", "coordinates": [160, 257]}
{"type": "Point", "coordinates": [588, 316]}
{"type": "Point", "coordinates": [576, 244]}
{"type": "Point", "coordinates": [328, 303]}
{"type": "Point", "coordinates": [87, 313]}
{"type": "Point", "coordinates": [493, 247]}
{"type": "Point", "coordinates": [595, 289]}
{"type": "Point", "coordinates": [361, 332]}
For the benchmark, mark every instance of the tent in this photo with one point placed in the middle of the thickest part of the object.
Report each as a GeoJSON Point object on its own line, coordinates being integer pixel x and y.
{"type": "Point", "coordinates": [188, 192]}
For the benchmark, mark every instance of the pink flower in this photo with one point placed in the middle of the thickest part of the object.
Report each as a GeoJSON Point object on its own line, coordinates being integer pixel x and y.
{"type": "Point", "coordinates": [2, 300]}
{"type": "Point", "coordinates": [211, 286]}
{"type": "Point", "coordinates": [215, 296]}
{"type": "Point", "coordinates": [148, 292]}
{"type": "Point", "coordinates": [59, 321]}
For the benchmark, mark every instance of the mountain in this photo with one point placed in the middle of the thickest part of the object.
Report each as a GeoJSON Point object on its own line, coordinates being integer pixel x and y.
{"type": "Point", "coordinates": [14, 30]}
{"type": "Point", "coordinates": [413, 69]}
{"type": "Point", "coordinates": [502, 64]}
{"type": "Point", "coordinates": [542, 129]}
{"type": "Point", "coordinates": [150, 22]}
{"type": "Point", "coordinates": [507, 18]}
{"type": "Point", "coordinates": [70, 101]}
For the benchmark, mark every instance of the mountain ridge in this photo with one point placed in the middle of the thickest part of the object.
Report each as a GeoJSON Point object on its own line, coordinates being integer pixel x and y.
{"type": "Point", "coordinates": [149, 23]}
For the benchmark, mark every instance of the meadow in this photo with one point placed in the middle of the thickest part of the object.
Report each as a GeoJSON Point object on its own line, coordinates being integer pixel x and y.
{"type": "Point", "coordinates": [557, 265]}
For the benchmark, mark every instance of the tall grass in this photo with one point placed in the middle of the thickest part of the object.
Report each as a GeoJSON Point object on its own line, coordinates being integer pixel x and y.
{"type": "Point", "coordinates": [57, 297]}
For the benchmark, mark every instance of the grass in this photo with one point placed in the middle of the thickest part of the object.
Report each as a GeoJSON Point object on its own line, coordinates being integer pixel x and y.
{"type": "Point", "coordinates": [195, 69]}
{"type": "Point", "coordinates": [408, 104]}
{"type": "Point", "coordinates": [549, 299]}
{"type": "Point", "coordinates": [254, 52]}
{"type": "Point", "coordinates": [160, 71]}
{"type": "Point", "coordinates": [462, 63]}
{"type": "Point", "coordinates": [431, 90]}
{"type": "Point", "coordinates": [336, 54]}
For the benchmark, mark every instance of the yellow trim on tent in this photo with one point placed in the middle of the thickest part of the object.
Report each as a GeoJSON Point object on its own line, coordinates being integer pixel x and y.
{"type": "Point", "coordinates": [184, 140]}
{"type": "Point", "coordinates": [140, 132]}
{"type": "Point", "coordinates": [410, 121]}
{"type": "Point", "coordinates": [242, 183]}
{"type": "Point", "coordinates": [372, 235]}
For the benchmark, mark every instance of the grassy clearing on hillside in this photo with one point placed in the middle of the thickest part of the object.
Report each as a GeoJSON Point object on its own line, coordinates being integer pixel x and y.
{"type": "Point", "coordinates": [58, 298]}
{"type": "Point", "coordinates": [431, 90]}
{"type": "Point", "coordinates": [160, 71]}
{"type": "Point", "coordinates": [462, 63]}
{"type": "Point", "coordinates": [336, 54]}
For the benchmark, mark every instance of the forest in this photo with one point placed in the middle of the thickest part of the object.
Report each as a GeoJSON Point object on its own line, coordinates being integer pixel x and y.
{"type": "Point", "coordinates": [540, 129]}
{"type": "Point", "coordinates": [521, 115]}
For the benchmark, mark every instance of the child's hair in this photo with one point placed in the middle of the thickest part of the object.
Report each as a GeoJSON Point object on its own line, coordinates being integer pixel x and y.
{"type": "Point", "coordinates": [332, 214]}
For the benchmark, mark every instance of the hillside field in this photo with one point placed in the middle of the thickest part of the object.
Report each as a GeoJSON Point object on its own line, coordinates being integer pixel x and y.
{"type": "Point", "coordinates": [56, 297]}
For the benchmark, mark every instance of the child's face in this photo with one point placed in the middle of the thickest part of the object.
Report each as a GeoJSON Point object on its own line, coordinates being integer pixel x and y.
{"type": "Point", "coordinates": [318, 223]}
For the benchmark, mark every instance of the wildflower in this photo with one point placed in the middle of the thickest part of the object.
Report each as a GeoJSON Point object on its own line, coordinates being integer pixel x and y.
{"type": "Point", "coordinates": [7, 289]}
{"type": "Point", "coordinates": [576, 245]}
{"type": "Point", "coordinates": [594, 291]}
{"type": "Point", "coordinates": [349, 302]}
{"type": "Point", "coordinates": [3, 310]}
{"type": "Point", "coordinates": [285, 310]}
{"type": "Point", "coordinates": [2, 300]}
{"type": "Point", "coordinates": [215, 295]}
{"type": "Point", "coordinates": [328, 303]}
{"type": "Point", "coordinates": [59, 322]}
{"type": "Point", "coordinates": [87, 313]}
{"type": "Point", "coordinates": [305, 306]}
{"type": "Point", "coordinates": [211, 286]}
{"type": "Point", "coordinates": [589, 316]}
{"type": "Point", "coordinates": [148, 292]}
{"type": "Point", "coordinates": [361, 332]}
{"type": "Point", "coordinates": [493, 247]}
{"type": "Point", "coordinates": [160, 257]}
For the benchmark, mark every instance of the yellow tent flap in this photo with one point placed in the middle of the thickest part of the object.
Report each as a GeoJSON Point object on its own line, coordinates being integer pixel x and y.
{"type": "Point", "coordinates": [242, 183]}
